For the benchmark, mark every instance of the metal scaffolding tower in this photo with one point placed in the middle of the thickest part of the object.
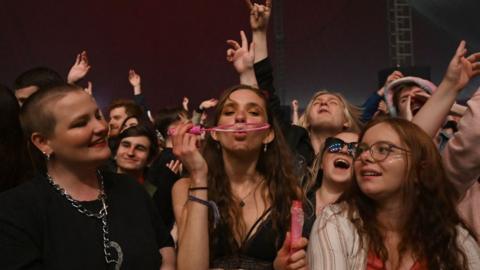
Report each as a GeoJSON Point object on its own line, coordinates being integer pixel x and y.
{"type": "Point", "coordinates": [400, 39]}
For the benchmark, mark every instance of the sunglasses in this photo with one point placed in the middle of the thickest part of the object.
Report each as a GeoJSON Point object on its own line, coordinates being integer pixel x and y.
{"type": "Point", "coordinates": [336, 145]}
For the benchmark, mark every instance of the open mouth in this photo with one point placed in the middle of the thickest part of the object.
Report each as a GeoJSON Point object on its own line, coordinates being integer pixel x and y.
{"type": "Point", "coordinates": [341, 164]}
{"type": "Point", "coordinates": [370, 173]}
{"type": "Point", "coordinates": [415, 108]}
{"type": "Point", "coordinates": [323, 111]}
{"type": "Point", "coordinates": [98, 143]}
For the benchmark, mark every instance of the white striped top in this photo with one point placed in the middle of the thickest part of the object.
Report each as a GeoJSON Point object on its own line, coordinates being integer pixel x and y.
{"type": "Point", "coordinates": [335, 243]}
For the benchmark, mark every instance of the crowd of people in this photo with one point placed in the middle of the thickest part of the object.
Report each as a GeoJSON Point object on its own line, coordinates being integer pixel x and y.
{"type": "Point", "coordinates": [391, 184]}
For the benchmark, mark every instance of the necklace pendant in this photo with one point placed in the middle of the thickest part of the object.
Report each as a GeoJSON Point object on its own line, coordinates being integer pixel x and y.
{"type": "Point", "coordinates": [118, 250]}
{"type": "Point", "coordinates": [242, 203]}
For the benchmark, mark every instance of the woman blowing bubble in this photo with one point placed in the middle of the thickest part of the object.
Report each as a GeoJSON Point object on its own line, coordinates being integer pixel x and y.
{"type": "Point", "coordinates": [248, 176]}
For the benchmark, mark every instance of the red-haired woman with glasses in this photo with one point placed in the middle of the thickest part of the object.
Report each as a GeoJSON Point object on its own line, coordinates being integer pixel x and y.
{"type": "Point", "coordinates": [399, 212]}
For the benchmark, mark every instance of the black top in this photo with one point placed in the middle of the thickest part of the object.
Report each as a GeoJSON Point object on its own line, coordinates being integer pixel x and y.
{"type": "Point", "coordinates": [257, 251]}
{"type": "Point", "coordinates": [40, 229]}
{"type": "Point", "coordinates": [311, 206]}
{"type": "Point", "coordinates": [164, 179]}
{"type": "Point", "coordinates": [297, 137]}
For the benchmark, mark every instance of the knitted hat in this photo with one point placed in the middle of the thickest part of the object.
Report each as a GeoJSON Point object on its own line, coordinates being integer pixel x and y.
{"type": "Point", "coordinates": [425, 85]}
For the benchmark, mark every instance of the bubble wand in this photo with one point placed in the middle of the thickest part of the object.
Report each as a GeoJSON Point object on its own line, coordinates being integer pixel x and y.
{"type": "Point", "coordinates": [238, 127]}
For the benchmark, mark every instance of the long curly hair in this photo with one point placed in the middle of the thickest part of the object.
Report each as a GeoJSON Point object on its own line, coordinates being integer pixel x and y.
{"type": "Point", "coordinates": [429, 201]}
{"type": "Point", "coordinates": [274, 165]}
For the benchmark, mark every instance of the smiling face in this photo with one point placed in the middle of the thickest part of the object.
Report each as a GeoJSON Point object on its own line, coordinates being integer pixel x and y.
{"type": "Point", "coordinates": [326, 111]}
{"type": "Point", "coordinates": [117, 116]}
{"type": "Point", "coordinates": [243, 106]}
{"type": "Point", "coordinates": [382, 180]}
{"type": "Point", "coordinates": [80, 131]}
{"type": "Point", "coordinates": [132, 154]}
{"type": "Point", "coordinates": [338, 167]}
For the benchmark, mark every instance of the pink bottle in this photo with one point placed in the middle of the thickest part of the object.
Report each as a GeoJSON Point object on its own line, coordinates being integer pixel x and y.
{"type": "Point", "coordinates": [296, 223]}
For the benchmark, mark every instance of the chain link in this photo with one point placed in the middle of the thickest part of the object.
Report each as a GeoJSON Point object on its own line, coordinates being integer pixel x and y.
{"type": "Point", "coordinates": [101, 215]}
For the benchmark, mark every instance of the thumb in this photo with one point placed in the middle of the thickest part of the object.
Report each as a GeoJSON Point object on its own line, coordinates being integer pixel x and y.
{"type": "Point", "coordinates": [285, 249]}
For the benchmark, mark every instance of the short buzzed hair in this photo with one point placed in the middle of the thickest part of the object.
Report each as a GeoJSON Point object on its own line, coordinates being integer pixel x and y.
{"type": "Point", "coordinates": [36, 114]}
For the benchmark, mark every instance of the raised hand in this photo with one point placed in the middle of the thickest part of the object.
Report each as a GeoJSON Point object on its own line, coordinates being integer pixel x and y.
{"type": "Point", "coordinates": [185, 102]}
{"type": "Point", "coordinates": [295, 116]}
{"type": "Point", "coordinates": [242, 57]}
{"type": "Point", "coordinates": [461, 69]}
{"type": "Point", "coordinates": [395, 75]}
{"type": "Point", "coordinates": [89, 88]}
{"type": "Point", "coordinates": [134, 78]}
{"type": "Point", "coordinates": [259, 15]}
{"type": "Point", "coordinates": [79, 69]}
{"type": "Point", "coordinates": [207, 104]}
{"type": "Point", "coordinates": [295, 105]}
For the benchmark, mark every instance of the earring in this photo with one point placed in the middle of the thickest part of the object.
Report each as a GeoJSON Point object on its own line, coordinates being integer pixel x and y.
{"type": "Point", "coordinates": [265, 148]}
{"type": "Point", "coordinates": [47, 156]}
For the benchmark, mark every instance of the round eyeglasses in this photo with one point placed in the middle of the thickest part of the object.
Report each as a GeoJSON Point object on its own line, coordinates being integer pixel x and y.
{"type": "Point", "coordinates": [379, 151]}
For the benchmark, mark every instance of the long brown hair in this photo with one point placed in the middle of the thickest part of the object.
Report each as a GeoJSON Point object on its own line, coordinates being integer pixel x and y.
{"type": "Point", "coordinates": [429, 201]}
{"type": "Point", "coordinates": [273, 165]}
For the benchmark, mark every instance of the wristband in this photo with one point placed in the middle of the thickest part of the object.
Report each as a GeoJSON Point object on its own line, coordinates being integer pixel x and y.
{"type": "Point", "coordinates": [210, 204]}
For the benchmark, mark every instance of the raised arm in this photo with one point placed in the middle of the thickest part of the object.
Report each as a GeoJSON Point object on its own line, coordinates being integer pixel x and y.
{"type": "Point", "coordinates": [370, 106]}
{"type": "Point", "coordinates": [192, 217]}
{"type": "Point", "coordinates": [295, 116]}
{"type": "Point", "coordinates": [460, 70]}
{"type": "Point", "coordinates": [204, 105]}
{"type": "Point", "coordinates": [79, 69]}
{"type": "Point", "coordinates": [185, 102]}
{"type": "Point", "coordinates": [259, 18]}
{"type": "Point", "coordinates": [242, 57]}
{"type": "Point", "coordinates": [461, 155]}
{"type": "Point", "coordinates": [135, 81]}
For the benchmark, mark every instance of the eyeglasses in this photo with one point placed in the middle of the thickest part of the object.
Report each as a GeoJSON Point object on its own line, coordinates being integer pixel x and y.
{"type": "Point", "coordinates": [379, 151]}
{"type": "Point", "coordinates": [335, 145]}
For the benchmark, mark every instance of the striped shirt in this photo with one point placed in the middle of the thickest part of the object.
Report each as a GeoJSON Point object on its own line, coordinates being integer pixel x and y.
{"type": "Point", "coordinates": [335, 243]}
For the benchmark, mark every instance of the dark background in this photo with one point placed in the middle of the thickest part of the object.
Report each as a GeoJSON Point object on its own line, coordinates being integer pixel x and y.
{"type": "Point", "coordinates": [178, 47]}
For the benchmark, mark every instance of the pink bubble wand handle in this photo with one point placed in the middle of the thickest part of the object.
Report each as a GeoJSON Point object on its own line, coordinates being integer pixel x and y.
{"type": "Point", "coordinates": [296, 225]}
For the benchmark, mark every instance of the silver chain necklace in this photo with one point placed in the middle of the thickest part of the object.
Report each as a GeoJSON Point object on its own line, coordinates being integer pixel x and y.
{"type": "Point", "coordinates": [108, 245]}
